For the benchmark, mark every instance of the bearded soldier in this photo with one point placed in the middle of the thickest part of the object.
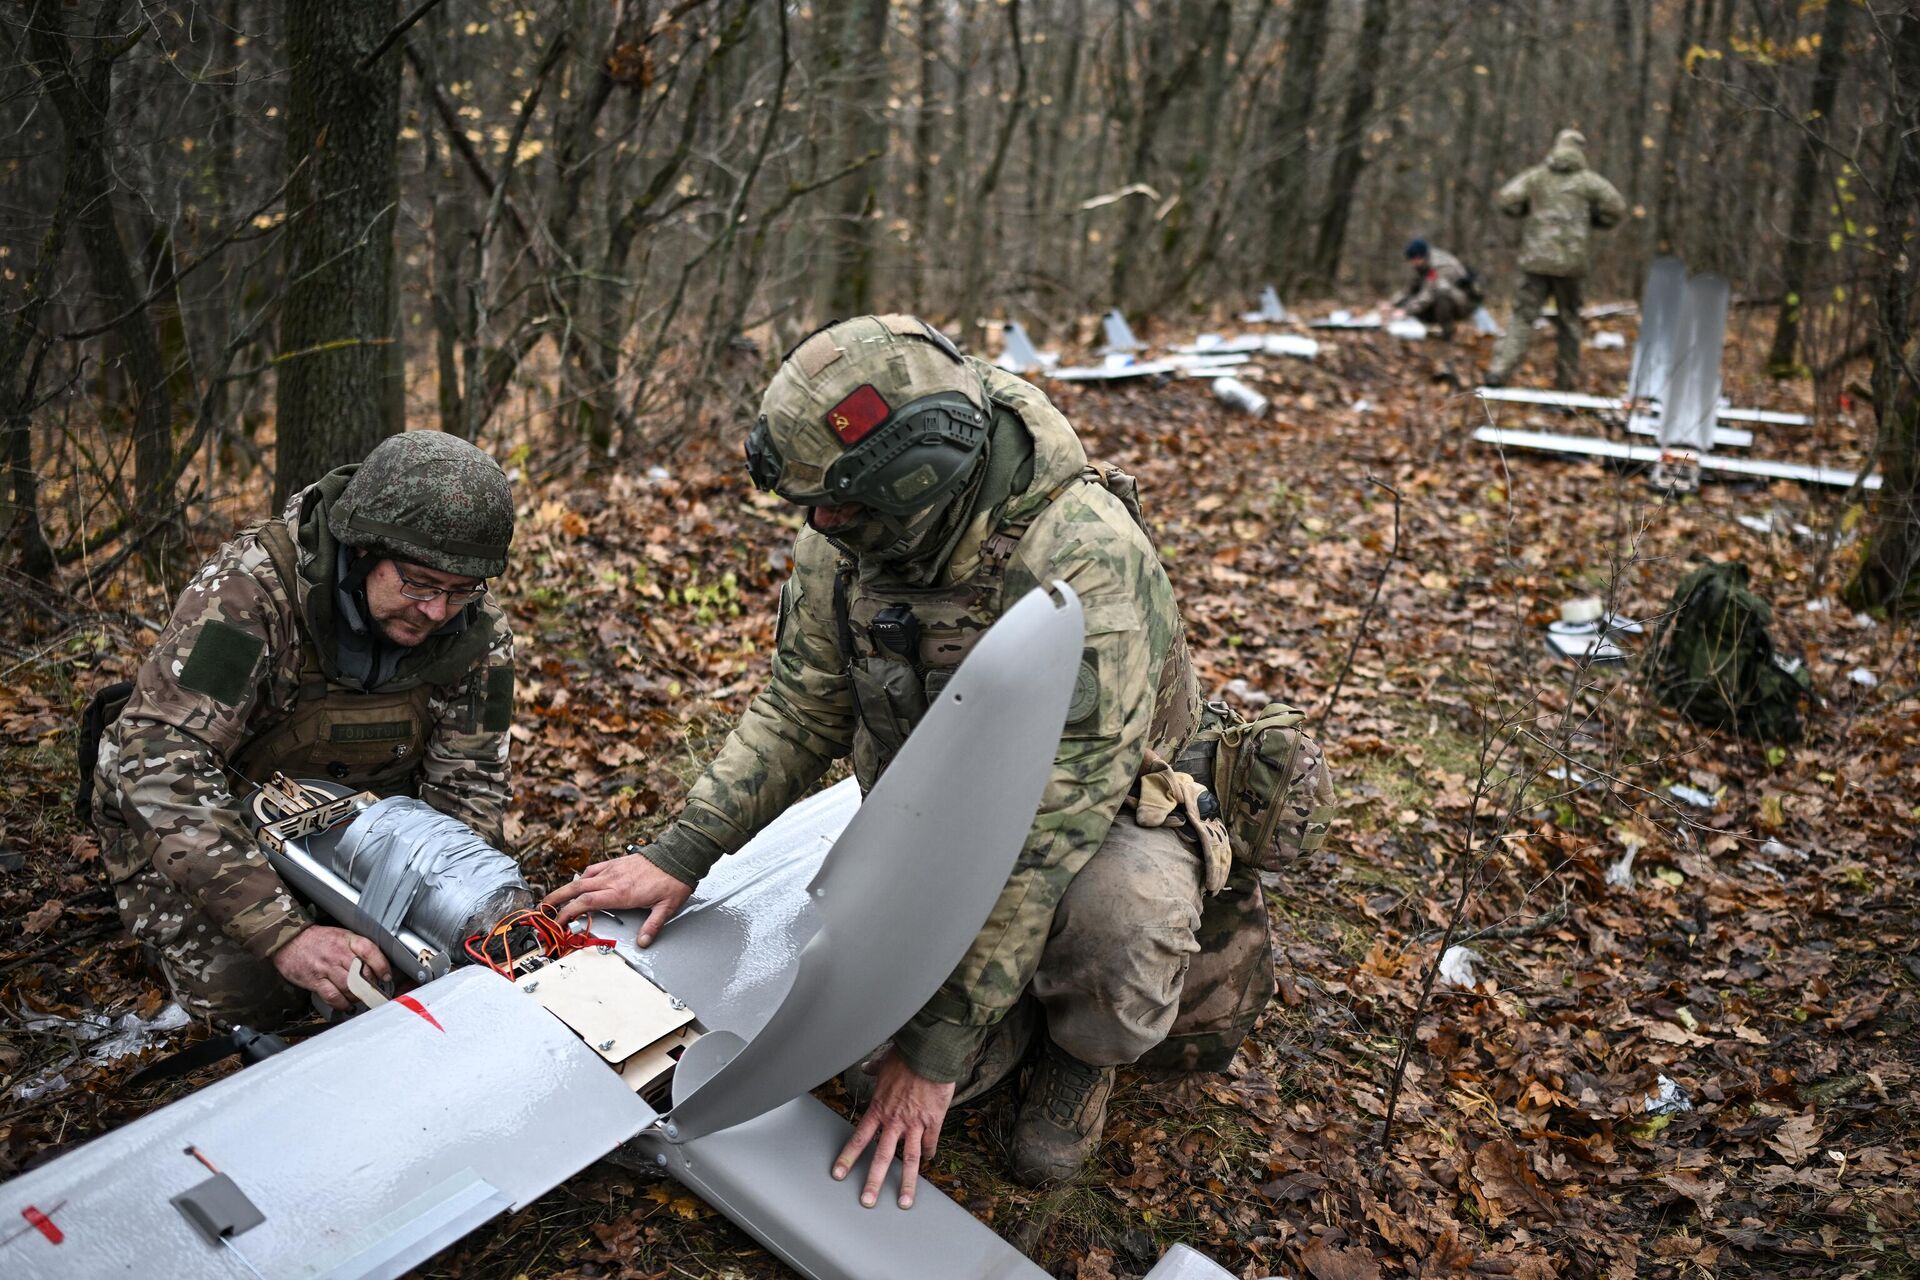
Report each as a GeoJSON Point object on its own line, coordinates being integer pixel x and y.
{"type": "Point", "coordinates": [938, 491]}
{"type": "Point", "coordinates": [1562, 202]}
{"type": "Point", "coordinates": [350, 639]}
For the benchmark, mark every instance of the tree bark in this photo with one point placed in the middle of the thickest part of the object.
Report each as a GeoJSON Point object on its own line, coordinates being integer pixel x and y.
{"type": "Point", "coordinates": [850, 269]}
{"type": "Point", "coordinates": [1350, 149]}
{"type": "Point", "coordinates": [342, 375]}
{"type": "Point", "coordinates": [82, 96]}
{"type": "Point", "coordinates": [1886, 577]}
{"type": "Point", "coordinates": [1287, 170]}
{"type": "Point", "coordinates": [1806, 189]}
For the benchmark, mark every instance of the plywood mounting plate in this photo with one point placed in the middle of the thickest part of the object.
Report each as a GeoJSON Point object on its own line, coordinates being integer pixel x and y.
{"type": "Point", "coordinates": [617, 1010]}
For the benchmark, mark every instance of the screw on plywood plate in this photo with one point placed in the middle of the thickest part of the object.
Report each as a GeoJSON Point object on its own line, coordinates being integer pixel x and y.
{"type": "Point", "coordinates": [676, 1002]}
{"type": "Point", "coordinates": [531, 987]}
{"type": "Point", "coordinates": [605, 1046]}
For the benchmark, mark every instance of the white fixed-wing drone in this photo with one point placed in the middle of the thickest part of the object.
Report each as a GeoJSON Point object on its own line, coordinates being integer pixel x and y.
{"type": "Point", "coordinates": [369, 1147]}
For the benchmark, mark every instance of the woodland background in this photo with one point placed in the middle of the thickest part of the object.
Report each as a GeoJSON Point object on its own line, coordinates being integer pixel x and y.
{"type": "Point", "coordinates": [240, 242]}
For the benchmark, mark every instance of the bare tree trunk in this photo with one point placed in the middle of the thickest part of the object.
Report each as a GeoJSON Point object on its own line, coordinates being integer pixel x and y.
{"type": "Point", "coordinates": [82, 96]}
{"type": "Point", "coordinates": [1349, 153]}
{"type": "Point", "coordinates": [1287, 171]}
{"type": "Point", "coordinates": [1666, 212]}
{"type": "Point", "coordinates": [341, 373]}
{"type": "Point", "coordinates": [1806, 190]}
{"type": "Point", "coordinates": [856, 233]}
{"type": "Point", "coordinates": [1887, 575]}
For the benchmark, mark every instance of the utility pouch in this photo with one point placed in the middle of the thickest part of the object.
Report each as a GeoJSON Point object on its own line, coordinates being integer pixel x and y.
{"type": "Point", "coordinates": [889, 698]}
{"type": "Point", "coordinates": [1163, 796]}
{"type": "Point", "coordinates": [1275, 793]}
{"type": "Point", "coordinates": [102, 710]}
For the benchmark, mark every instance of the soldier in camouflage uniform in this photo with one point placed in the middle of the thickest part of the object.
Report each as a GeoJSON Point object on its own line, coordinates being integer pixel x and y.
{"type": "Point", "coordinates": [940, 490]}
{"type": "Point", "coordinates": [1562, 202]}
{"type": "Point", "coordinates": [1442, 291]}
{"type": "Point", "coordinates": [351, 639]}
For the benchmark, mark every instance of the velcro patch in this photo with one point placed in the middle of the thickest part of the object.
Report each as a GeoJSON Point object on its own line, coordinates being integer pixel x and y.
{"type": "Point", "coordinates": [221, 664]}
{"type": "Point", "coordinates": [498, 717]}
{"type": "Point", "coordinates": [853, 418]}
{"type": "Point", "coordinates": [1086, 689]}
{"type": "Point", "coordinates": [383, 732]}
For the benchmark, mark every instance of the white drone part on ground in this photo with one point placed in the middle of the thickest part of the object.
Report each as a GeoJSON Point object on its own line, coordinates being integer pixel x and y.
{"type": "Point", "coordinates": [1020, 355]}
{"type": "Point", "coordinates": [366, 1149]}
{"type": "Point", "coordinates": [1271, 311]}
{"type": "Point", "coordinates": [1118, 334]}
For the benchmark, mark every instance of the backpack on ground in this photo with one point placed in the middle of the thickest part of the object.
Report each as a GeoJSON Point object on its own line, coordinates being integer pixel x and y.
{"type": "Point", "coordinates": [1714, 661]}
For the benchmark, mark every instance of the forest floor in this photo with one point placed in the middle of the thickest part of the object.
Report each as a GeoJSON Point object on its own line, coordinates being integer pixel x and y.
{"type": "Point", "coordinates": [1757, 951]}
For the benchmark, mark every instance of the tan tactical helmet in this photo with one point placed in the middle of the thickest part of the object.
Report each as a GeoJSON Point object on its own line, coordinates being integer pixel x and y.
{"type": "Point", "coordinates": [882, 412]}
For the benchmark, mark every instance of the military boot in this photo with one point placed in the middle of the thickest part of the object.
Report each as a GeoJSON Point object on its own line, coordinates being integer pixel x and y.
{"type": "Point", "coordinates": [1061, 1118]}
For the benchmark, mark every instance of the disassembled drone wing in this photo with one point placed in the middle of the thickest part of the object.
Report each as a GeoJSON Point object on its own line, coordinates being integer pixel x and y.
{"type": "Point", "coordinates": [366, 1149]}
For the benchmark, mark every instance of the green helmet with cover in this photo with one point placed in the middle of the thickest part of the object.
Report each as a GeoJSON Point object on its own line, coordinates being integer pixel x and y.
{"type": "Point", "coordinates": [429, 498]}
{"type": "Point", "coordinates": [882, 413]}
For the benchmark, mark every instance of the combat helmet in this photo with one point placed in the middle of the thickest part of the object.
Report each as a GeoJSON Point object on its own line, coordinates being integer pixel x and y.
{"type": "Point", "coordinates": [429, 498]}
{"type": "Point", "coordinates": [881, 413]}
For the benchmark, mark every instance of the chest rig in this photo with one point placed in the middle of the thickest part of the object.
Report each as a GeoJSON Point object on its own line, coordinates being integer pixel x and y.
{"type": "Point", "coordinates": [902, 643]}
{"type": "Point", "coordinates": [369, 741]}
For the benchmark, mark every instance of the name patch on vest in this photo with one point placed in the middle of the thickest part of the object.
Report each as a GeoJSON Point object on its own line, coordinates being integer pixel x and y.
{"type": "Point", "coordinates": [383, 732]}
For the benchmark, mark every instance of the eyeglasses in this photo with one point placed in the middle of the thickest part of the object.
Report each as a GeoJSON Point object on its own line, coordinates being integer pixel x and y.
{"type": "Point", "coordinates": [426, 592]}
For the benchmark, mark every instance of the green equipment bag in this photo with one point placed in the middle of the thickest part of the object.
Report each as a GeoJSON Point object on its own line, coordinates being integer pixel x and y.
{"type": "Point", "coordinates": [1715, 663]}
{"type": "Point", "coordinates": [1269, 778]}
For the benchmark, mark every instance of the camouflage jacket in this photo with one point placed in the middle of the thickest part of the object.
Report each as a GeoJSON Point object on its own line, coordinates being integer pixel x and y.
{"type": "Point", "coordinates": [806, 717]}
{"type": "Point", "coordinates": [1562, 201]}
{"type": "Point", "coordinates": [1443, 274]}
{"type": "Point", "coordinates": [236, 662]}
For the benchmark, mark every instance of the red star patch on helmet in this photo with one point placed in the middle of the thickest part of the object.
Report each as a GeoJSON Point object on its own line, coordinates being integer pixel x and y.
{"type": "Point", "coordinates": [857, 415]}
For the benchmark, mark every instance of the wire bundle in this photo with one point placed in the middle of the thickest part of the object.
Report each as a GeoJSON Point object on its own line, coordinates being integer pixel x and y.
{"type": "Point", "coordinates": [551, 939]}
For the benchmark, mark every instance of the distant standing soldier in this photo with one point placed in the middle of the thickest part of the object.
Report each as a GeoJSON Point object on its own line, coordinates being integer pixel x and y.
{"type": "Point", "coordinates": [938, 491]}
{"type": "Point", "coordinates": [1562, 202]}
{"type": "Point", "coordinates": [350, 639]}
{"type": "Point", "coordinates": [1443, 290]}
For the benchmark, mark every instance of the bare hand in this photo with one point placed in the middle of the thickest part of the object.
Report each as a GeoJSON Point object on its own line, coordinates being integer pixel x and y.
{"type": "Point", "coordinates": [319, 956]}
{"type": "Point", "coordinates": [623, 884]}
{"type": "Point", "coordinates": [907, 1111]}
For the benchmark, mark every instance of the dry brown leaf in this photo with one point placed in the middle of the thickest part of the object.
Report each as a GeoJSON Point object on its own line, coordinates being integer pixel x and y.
{"type": "Point", "coordinates": [1703, 1194]}
{"type": "Point", "coordinates": [1797, 1138]}
{"type": "Point", "coordinates": [1509, 1184]}
{"type": "Point", "coordinates": [1097, 1265]}
{"type": "Point", "coordinates": [42, 916]}
{"type": "Point", "coordinates": [1340, 1262]}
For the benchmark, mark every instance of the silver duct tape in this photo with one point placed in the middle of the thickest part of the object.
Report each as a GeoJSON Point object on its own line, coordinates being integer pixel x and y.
{"type": "Point", "coordinates": [417, 867]}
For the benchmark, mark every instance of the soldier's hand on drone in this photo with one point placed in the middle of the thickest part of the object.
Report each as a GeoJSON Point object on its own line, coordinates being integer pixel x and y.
{"type": "Point", "coordinates": [907, 1111]}
{"type": "Point", "coordinates": [631, 883]}
{"type": "Point", "coordinates": [319, 957]}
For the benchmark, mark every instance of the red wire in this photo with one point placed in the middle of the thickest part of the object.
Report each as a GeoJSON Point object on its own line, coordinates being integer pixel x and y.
{"type": "Point", "coordinates": [555, 939]}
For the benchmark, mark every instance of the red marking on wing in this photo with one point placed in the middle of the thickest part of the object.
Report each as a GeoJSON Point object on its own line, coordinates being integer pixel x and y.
{"type": "Point", "coordinates": [44, 1223]}
{"type": "Point", "coordinates": [853, 418]}
{"type": "Point", "coordinates": [410, 1003]}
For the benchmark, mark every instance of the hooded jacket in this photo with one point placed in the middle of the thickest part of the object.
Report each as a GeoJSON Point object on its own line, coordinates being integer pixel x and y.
{"type": "Point", "coordinates": [1562, 202]}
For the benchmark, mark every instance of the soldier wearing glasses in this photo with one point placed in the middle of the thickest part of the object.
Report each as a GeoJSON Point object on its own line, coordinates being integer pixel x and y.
{"type": "Point", "coordinates": [350, 639]}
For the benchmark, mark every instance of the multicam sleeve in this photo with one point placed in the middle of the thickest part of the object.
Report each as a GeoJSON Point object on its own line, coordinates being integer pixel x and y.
{"type": "Point", "coordinates": [467, 773]}
{"type": "Point", "coordinates": [801, 722]}
{"type": "Point", "coordinates": [1130, 621]}
{"type": "Point", "coordinates": [1514, 198]}
{"type": "Point", "coordinates": [231, 631]}
{"type": "Point", "coordinates": [1606, 202]}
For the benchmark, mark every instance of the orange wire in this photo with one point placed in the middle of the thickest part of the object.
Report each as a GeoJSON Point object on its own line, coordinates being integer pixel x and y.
{"type": "Point", "coordinates": [554, 938]}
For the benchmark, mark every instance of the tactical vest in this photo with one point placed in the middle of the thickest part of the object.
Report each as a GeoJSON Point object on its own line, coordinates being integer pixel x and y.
{"type": "Point", "coordinates": [902, 643]}
{"type": "Point", "coordinates": [370, 741]}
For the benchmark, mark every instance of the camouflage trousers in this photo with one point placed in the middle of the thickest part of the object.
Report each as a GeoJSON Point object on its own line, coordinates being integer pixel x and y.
{"type": "Point", "coordinates": [212, 976]}
{"type": "Point", "coordinates": [1140, 966]}
{"type": "Point", "coordinates": [1527, 305]}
